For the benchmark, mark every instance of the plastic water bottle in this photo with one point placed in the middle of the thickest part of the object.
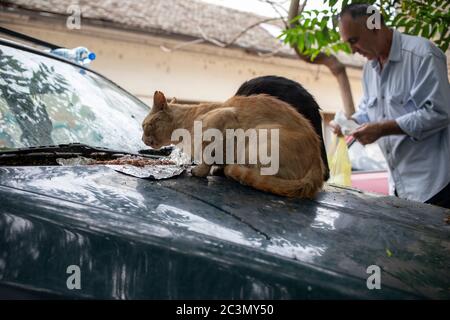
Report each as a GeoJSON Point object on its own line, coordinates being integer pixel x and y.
{"type": "Point", "coordinates": [80, 55]}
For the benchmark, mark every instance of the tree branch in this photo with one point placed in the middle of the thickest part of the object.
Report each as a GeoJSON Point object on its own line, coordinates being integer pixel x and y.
{"type": "Point", "coordinates": [270, 54]}
{"type": "Point", "coordinates": [295, 9]}
{"type": "Point", "coordinates": [274, 6]}
{"type": "Point", "coordinates": [240, 34]}
{"type": "Point", "coordinates": [336, 67]}
{"type": "Point", "coordinates": [181, 45]}
{"type": "Point", "coordinates": [206, 38]}
{"type": "Point", "coordinates": [214, 41]}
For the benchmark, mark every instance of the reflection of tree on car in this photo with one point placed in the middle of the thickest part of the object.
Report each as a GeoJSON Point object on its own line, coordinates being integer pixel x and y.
{"type": "Point", "coordinates": [22, 95]}
{"type": "Point", "coordinates": [44, 101]}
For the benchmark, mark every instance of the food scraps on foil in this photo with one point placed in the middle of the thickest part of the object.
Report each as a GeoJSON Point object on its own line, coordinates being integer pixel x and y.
{"type": "Point", "coordinates": [137, 166]}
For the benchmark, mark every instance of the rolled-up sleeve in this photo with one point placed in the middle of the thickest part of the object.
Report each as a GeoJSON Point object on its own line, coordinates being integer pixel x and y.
{"type": "Point", "coordinates": [431, 96]}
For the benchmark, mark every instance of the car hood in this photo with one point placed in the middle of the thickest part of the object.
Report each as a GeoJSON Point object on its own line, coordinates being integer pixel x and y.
{"type": "Point", "coordinates": [212, 238]}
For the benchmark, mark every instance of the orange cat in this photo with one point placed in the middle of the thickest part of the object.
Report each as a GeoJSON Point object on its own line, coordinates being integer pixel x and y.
{"type": "Point", "coordinates": [300, 172]}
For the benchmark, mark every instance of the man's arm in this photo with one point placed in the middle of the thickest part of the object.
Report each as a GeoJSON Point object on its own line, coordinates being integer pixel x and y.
{"type": "Point", "coordinates": [431, 94]}
{"type": "Point", "coordinates": [371, 132]}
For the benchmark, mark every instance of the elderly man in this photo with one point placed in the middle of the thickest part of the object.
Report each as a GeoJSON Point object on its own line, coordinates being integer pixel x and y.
{"type": "Point", "coordinates": [405, 106]}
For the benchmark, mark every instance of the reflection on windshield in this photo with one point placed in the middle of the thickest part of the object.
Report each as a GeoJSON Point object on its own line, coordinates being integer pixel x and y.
{"type": "Point", "coordinates": [45, 101]}
{"type": "Point", "coordinates": [18, 88]}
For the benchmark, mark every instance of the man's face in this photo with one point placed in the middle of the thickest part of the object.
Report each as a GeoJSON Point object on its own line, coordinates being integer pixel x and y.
{"type": "Point", "coordinates": [358, 36]}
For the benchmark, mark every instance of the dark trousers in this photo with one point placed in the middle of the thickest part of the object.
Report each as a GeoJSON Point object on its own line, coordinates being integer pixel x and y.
{"type": "Point", "coordinates": [441, 199]}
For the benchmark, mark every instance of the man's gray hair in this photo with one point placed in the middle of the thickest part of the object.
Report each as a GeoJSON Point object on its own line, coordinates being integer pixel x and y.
{"type": "Point", "coordinates": [357, 10]}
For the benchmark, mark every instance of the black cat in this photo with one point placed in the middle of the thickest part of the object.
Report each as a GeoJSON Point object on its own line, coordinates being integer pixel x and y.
{"type": "Point", "coordinates": [293, 93]}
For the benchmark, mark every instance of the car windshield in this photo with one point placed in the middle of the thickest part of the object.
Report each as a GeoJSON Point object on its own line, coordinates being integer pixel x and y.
{"type": "Point", "coordinates": [45, 101]}
{"type": "Point", "coordinates": [366, 158]}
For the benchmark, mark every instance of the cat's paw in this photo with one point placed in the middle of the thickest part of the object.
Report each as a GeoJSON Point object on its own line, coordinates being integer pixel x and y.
{"type": "Point", "coordinates": [200, 170]}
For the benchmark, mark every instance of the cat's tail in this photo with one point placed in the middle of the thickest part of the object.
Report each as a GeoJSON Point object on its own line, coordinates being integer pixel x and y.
{"type": "Point", "coordinates": [307, 187]}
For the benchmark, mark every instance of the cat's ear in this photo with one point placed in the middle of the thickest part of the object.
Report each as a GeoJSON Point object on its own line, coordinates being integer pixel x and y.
{"type": "Point", "coordinates": [159, 101]}
{"type": "Point", "coordinates": [174, 100]}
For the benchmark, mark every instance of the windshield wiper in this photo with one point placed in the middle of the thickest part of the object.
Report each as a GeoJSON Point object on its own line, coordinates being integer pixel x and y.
{"type": "Point", "coordinates": [163, 152]}
{"type": "Point", "coordinates": [47, 155]}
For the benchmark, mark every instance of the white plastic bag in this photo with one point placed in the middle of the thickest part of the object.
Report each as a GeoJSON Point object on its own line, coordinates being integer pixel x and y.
{"type": "Point", "coordinates": [346, 125]}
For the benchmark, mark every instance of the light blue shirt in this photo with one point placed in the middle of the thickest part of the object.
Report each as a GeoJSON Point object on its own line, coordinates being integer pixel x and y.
{"type": "Point", "coordinates": [413, 89]}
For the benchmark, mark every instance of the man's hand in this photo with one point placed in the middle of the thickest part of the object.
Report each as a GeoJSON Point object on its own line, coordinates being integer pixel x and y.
{"type": "Point", "coordinates": [335, 128]}
{"type": "Point", "coordinates": [368, 133]}
{"type": "Point", "coordinates": [371, 132]}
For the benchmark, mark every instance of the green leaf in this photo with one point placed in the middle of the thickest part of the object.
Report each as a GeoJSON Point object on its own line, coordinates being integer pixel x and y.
{"type": "Point", "coordinates": [320, 39]}
{"type": "Point", "coordinates": [433, 31]}
{"type": "Point", "coordinates": [425, 31]}
{"type": "Point", "coordinates": [326, 34]}
{"type": "Point", "coordinates": [311, 39]}
{"type": "Point", "coordinates": [314, 55]}
{"type": "Point", "coordinates": [401, 21]}
{"type": "Point", "coordinates": [389, 253]}
{"type": "Point", "coordinates": [344, 3]}
{"type": "Point", "coordinates": [441, 29]}
{"type": "Point", "coordinates": [417, 28]}
{"type": "Point", "coordinates": [301, 42]}
{"type": "Point", "coordinates": [288, 38]}
{"type": "Point", "coordinates": [409, 25]}
{"type": "Point", "coordinates": [306, 40]}
{"type": "Point", "coordinates": [324, 22]}
{"type": "Point", "coordinates": [345, 47]}
{"type": "Point", "coordinates": [305, 23]}
{"type": "Point", "coordinates": [296, 19]}
{"type": "Point", "coordinates": [284, 34]}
